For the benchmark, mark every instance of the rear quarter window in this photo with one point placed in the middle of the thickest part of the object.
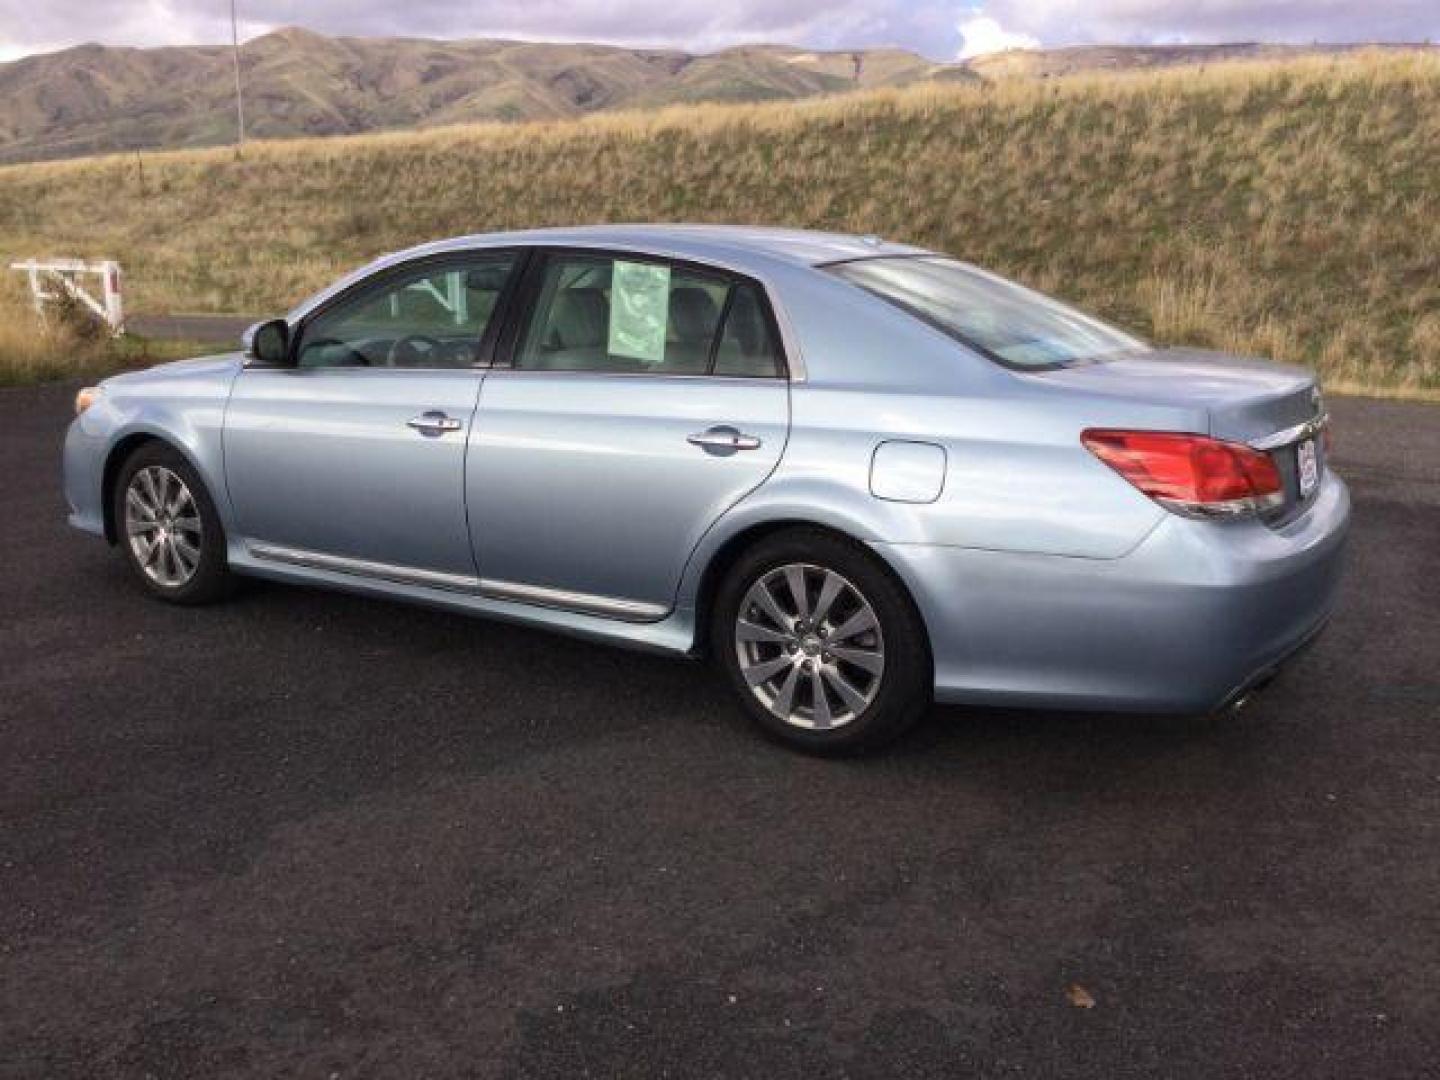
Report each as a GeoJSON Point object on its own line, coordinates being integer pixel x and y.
{"type": "Point", "coordinates": [1006, 322]}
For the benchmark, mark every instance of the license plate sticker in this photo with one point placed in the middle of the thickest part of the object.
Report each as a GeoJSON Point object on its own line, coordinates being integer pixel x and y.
{"type": "Point", "coordinates": [1309, 468]}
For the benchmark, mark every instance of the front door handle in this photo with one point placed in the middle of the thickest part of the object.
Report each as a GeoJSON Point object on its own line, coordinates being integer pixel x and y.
{"type": "Point", "coordinates": [723, 439]}
{"type": "Point", "coordinates": [433, 423]}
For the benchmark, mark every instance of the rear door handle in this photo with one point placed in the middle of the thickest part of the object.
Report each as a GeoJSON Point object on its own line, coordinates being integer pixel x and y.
{"type": "Point", "coordinates": [723, 439]}
{"type": "Point", "coordinates": [433, 423]}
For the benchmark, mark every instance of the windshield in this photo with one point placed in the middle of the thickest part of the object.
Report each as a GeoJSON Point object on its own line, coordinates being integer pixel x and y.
{"type": "Point", "coordinates": [1008, 323]}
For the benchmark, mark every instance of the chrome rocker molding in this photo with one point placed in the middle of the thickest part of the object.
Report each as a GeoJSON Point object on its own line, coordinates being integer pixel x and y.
{"type": "Point", "coordinates": [340, 564]}
{"type": "Point", "coordinates": [590, 604]}
{"type": "Point", "coordinates": [609, 607]}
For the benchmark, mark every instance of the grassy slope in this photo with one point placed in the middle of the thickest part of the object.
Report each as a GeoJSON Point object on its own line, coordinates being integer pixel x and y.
{"type": "Point", "coordinates": [1284, 209]}
{"type": "Point", "coordinates": [1095, 59]}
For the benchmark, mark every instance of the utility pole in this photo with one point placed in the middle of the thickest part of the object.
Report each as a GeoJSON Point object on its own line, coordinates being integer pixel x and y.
{"type": "Point", "coordinates": [239, 99]}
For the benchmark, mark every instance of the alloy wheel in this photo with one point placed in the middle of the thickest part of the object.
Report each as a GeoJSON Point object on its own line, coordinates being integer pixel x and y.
{"type": "Point", "coordinates": [163, 526]}
{"type": "Point", "coordinates": [810, 646]}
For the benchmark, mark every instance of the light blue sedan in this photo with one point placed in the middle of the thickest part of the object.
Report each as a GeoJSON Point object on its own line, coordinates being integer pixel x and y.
{"type": "Point", "coordinates": [861, 476]}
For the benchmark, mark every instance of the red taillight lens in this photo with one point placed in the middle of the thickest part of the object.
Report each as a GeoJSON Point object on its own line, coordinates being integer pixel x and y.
{"type": "Point", "coordinates": [1191, 473]}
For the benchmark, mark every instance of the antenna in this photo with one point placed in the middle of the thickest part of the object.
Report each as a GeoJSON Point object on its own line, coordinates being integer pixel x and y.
{"type": "Point", "coordinates": [239, 99]}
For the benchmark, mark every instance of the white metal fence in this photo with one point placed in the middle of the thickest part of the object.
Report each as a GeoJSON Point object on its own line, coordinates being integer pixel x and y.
{"type": "Point", "coordinates": [50, 279]}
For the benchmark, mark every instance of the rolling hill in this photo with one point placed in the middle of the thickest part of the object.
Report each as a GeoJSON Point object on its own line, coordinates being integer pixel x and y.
{"type": "Point", "coordinates": [94, 99]}
{"type": "Point", "coordinates": [97, 99]}
{"type": "Point", "coordinates": [1277, 208]}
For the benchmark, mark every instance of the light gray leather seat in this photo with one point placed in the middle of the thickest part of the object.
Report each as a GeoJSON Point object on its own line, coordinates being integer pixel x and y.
{"type": "Point", "coordinates": [694, 318]}
{"type": "Point", "coordinates": [576, 337]}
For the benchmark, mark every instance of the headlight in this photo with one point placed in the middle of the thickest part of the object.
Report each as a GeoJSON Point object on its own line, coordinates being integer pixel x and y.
{"type": "Point", "coordinates": [85, 398]}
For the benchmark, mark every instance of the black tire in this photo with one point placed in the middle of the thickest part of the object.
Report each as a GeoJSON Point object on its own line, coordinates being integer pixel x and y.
{"type": "Point", "coordinates": [210, 579]}
{"type": "Point", "coordinates": [903, 689]}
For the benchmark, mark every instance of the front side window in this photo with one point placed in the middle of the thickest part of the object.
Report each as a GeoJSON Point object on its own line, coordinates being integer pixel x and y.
{"type": "Point", "coordinates": [1006, 322]}
{"type": "Point", "coordinates": [433, 316]}
{"type": "Point", "coordinates": [615, 314]}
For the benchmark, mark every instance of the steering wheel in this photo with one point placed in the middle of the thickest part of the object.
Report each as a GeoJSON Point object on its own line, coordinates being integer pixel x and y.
{"type": "Point", "coordinates": [406, 351]}
{"type": "Point", "coordinates": [458, 353]}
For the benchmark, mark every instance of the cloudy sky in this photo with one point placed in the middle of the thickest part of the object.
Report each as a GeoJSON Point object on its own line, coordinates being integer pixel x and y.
{"type": "Point", "coordinates": [936, 28]}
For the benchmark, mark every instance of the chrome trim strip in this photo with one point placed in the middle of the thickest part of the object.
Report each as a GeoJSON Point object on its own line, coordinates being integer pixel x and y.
{"type": "Point", "coordinates": [342, 564]}
{"type": "Point", "coordinates": [590, 604]}
{"type": "Point", "coordinates": [765, 380]}
{"type": "Point", "coordinates": [564, 599]}
{"type": "Point", "coordinates": [1307, 430]}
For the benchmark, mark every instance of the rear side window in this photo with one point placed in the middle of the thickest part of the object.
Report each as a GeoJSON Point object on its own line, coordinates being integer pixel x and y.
{"type": "Point", "coordinates": [747, 347]}
{"type": "Point", "coordinates": [614, 314]}
{"type": "Point", "coordinates": [1006, 322]}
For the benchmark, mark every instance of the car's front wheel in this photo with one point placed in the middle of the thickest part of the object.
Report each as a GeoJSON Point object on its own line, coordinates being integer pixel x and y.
{"type": "Point", "coordinates": [168, 527]}
{"type": "Point", "coordinates": [821, 644]}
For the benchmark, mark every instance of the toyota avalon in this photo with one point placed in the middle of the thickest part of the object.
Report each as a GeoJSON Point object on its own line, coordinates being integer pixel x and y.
{"type": "Point", "coordinates": [860, 476]}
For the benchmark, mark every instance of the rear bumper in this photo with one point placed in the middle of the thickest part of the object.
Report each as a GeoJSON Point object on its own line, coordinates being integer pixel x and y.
{"type": "Point", "coordinates": [1198, 612]}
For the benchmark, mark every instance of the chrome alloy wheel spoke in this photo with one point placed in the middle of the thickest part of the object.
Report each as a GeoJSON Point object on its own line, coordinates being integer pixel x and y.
{"type": "Point", "coordinates": [771, 606]}
{"type": "Point", "coordinates": [187, 555]}
{"type": "Point", "coordinates": [149, 550]}
{"type": "Point", "coordinates": [810, 646]}
{"type": "Point", "coordinates": [829, 591]}
{"type": "Point", "coordinates": [746, 630]}
{"type": "Point", "coordinates": [163, 525]}
{"type": "Point", "coordinates": [137, 503]}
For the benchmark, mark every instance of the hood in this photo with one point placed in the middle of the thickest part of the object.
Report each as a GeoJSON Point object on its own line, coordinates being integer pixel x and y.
{"type": "Point", "coordinates": [222, 365]}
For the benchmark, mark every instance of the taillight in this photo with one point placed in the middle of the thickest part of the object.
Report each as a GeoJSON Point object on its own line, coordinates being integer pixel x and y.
{"type": "Point", "coordinates": [1191, 474]}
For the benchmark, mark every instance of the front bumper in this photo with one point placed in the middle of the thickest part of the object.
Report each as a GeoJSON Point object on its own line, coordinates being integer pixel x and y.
{"type": "Point", "coordinates": [1185, 622]}
{"type": "Point", "coordinates": [84, 465]}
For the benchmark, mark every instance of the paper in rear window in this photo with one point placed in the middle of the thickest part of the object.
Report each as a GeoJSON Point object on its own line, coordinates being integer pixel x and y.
{"type": "Point", "coordinates": [639, 310]}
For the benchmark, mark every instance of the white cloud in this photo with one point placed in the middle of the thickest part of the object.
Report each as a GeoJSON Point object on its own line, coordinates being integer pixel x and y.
{"type": "Point", "coordinates": [934, 27]}
{"type": "Point", "coordinates": [13, 50]}
{"type": "Point", "coordinates": [982, 34]}
{"type": "Point", "coordinates": [1158, 21]}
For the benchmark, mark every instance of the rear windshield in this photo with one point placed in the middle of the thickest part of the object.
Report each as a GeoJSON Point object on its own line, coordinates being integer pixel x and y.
{"type": "Point", "coordinates": [1008, 323]}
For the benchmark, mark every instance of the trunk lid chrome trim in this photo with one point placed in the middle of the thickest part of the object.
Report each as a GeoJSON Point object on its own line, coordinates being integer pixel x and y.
{"type": "Point", "coordinates": [1298, 433]}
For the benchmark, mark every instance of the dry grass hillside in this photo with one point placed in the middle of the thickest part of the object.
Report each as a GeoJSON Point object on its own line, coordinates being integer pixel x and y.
{"type": "Point", "coordinates": [1284, 209]}
{"type": "Point", "coordinates": [1095, 59]}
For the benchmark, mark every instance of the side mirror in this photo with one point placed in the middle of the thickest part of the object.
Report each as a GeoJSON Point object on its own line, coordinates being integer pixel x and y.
{"type": "Point", "coordinates": [268, 343]}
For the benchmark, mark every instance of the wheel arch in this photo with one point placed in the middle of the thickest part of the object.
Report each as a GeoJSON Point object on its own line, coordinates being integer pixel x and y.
{"type": "Point", "coordinates": [728, 552]}
{"type": "Point", "coordinates": [115, 460]}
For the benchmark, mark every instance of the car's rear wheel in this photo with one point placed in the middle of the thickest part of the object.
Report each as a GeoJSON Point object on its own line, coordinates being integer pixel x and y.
{"type": "Point", "coordinates": [169, 530]}
{"type": "Point", "coordinates": [821, 644]}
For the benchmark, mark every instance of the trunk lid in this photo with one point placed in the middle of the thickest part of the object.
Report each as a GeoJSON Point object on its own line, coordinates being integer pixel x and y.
{"type": "Point", "coordinates": [1246, 400]}
{"type": "Point", "coordinates": [1258, 402]}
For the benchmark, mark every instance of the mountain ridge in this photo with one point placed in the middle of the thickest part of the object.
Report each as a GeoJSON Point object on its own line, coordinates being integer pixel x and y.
{"type": "Point", "coordinates": [92, 98]}
{"type": "Point", "coordinates": [95, 99]}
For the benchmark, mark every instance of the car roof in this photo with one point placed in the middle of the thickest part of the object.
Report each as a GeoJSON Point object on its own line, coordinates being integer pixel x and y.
{"type": "Point", "coordinates": [738, 246]}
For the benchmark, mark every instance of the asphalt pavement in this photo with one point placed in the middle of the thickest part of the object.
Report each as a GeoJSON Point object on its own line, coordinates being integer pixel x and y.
{"type": "Point", "coordinates": [305, 834]}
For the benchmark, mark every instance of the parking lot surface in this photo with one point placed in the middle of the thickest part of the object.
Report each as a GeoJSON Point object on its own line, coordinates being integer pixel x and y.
{"type": "Point", "coordinates": [305, 834]}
